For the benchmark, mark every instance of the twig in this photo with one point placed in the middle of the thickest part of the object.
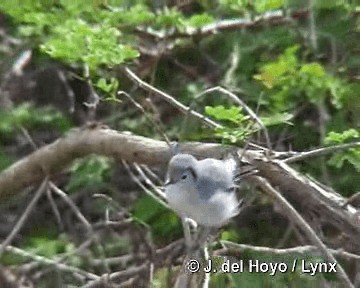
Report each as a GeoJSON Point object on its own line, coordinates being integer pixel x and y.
{"type": "Point", "coordinates": [63, 257]}
{"type": "Point", "coordinates": [171, 100]}
{"type": "Point", "coordinates": [273, 17]}
{"type": "Point", "coordinates": [148, 117]}
{"type": "Point", "coordinates": [312, 27]}
{"type": "Point", "coordinates": [72, 205]}
{"type": "Point", "coordinates": [152, 174]}
{"type": "Point", "coordinates": [320, 151]}
{"type": "Point", "coordinates": [117, 276]}
{"type": "Point", "coordinates": [119, 260]}
{"type": "Point", "coordinates": [149, 182]}
{"type": "Point", "coordinates": [109, 200]}
{"type": "Point", "coordinates": [81, 217]}
{"type": "Point", "coordinates": [284, 251]}
{"type": "Point", "coordinates": [25, 216]}
{"type": "Point", "coordinates": [304, 226]}
{"type": "Point", "coordinates": [238, 101]}
{"type": "Point", "coordinates": [138, 182]}
{"type": "Point", "coordinates": [54, 208]}
{"type": "Point", "coordinates": [48, 261]}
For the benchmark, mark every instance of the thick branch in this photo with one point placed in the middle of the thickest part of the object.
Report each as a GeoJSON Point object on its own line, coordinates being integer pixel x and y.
{"type": "Point", "coordinates": [53, 158]}
{"type": "Point", "coordinates": [314, 200]}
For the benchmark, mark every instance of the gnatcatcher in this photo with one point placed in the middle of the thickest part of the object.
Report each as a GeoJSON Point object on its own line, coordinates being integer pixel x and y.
{"type": "Point", "coordinates": [202, 190]}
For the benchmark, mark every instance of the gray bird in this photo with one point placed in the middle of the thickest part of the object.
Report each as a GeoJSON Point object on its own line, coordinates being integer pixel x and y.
{"type": "Point", "coordinates": [203, 190]}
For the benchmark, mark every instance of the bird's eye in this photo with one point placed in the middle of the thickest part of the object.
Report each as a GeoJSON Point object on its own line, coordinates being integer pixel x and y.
{"type": "Point", "coordinates": [183, 177]}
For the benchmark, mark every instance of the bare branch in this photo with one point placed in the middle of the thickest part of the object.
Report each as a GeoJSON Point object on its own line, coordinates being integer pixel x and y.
{"type": "Point", "coordinates": [312, 199]}
{"type": "Point", "coordinates": [171, 100]}
{"type": "Point", "coordinates": [24, 216]}
{"type": "Point", "coordinates": [304, 226]}
{"type": "Point", "coordinates": [157, 197]}
{"type": "Point", "coordinates": [320, 151]}
{"type": "Point", "coordinates": [73, 207]}
{"type": "Point", "coordinates": [285, 251]}
{"type": "Point", "coordinates": [173, 250]}
{"type": "Point", "coordinates": [53, 158]}
{"type": "Point", "coordinates": [148, 117]}
{"type": "Point", "coordinates": [47, 261]}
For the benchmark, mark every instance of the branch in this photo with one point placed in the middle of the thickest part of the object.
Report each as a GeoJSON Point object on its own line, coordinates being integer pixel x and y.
{"type": "Point", "coordinates": [314, 201]}
{"type": "Point", "coordinates": [321, 151]}
{"type": "Point", "coordinates": [171, 100]}
{"type": "Point", "coordinates": [235, 248]}
{"type": "Point", "coordinates": [242, 104]}
{"type": "Point", "coordinates": [20, 223]}
{"type": "Point", "coordinates": [47, 261]}
{"type": "Point", "coordinates": [162, 256]}
{"type": "Point", "coordinates": [53, 158]}
{"type": "Point", "coordinates": [275, 18]}
{"type": "Point", "coordinates": [304, 226]}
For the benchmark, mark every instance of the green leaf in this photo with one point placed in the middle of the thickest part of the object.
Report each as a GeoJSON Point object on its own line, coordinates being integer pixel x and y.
{"type": "Point", "coordinates": [277, 118]}
{"type": "Point", "coordinates": [313, 69]}
{"type": "Point", "coordinates": [232, 114]}
{"type": "Point", "coordinates": [90, 172]}
{"type": "Point", "coordinates": [108, 86]}
{"type": "Point", "coordinates": [273, 73]}
{"type": "Point", "coordinates": [262, 6]}
{"type": "Point", "coordinates": [163, 222]}
{"type": "Point", "coordinates": [28, 116]}
{"type": "Point", "coordinates": [351, 155]}
{"type": "Point", "coordinates": [338, 138]}
{"type": "Point", "coordinates": [233, 135]}
{"type": "Point", "coordinates": [199, 20]}
{"type": "Point", "coordinates": [78, 41]}
{"type": "Point", "coordinates": [169, 18]}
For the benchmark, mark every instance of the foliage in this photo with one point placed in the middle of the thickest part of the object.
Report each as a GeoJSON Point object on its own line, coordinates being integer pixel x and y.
{"type": "Point", "coordinates": [239, 126]}
{"type": "Point", "coordinates": [28, 116]}
{"type": "Point", "coordinates": [76, 41]}
{"type": "Point", "coordinates": [89, 173]}
{"type": "Point", "coordinates": [291, 81]}
{"type": "Point", "coordinates": [48, 246]}
{"type": "Point", "coordinates": [164, 223]}
{"type": "Point", "coordinates": [351, 155]}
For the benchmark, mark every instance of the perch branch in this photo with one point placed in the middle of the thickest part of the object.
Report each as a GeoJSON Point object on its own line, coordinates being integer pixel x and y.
{"type": "Point", "coordinates": [53, 158]}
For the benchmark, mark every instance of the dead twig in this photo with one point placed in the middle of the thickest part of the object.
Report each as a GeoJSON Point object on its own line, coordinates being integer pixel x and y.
{"type": "Point", "coordinates": [171, 100]}
{"type": "Point", "coordinates": [231, 248]}
{"type": "Point", "coordinates": [25, 216]}
{"type": "Point", "coordinates": [320, 152]}
{"type": "Point", "coordinates": [47, 261]}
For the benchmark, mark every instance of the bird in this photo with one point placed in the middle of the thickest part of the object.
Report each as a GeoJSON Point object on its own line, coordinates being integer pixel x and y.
{"type": "Point", "coordinates": [202, 190]}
